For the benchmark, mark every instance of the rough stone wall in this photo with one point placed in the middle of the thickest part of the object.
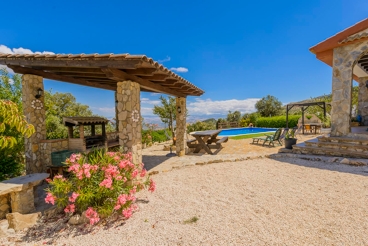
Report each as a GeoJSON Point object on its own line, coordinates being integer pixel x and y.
{"type": "Point", "coordinates": [181, 129]}
{"type": "Point", "coordinates": [34, 111]}
{"type": "Point", "coordinates": [344, 59]}
{"type": "Point", "coordinates": [363, 100]}
{"type": "Point", "coordinates": [49, 146]}
{"type": "Point", "coordinates": [23, 201]}
{"type": "Point", "coordinates": [4, 205]}
{"type": "Point", "coordinates": [129, 118]}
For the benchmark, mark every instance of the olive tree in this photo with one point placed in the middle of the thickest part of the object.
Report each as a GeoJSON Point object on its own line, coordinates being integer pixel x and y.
{"type": "Point", "coordinates": [269, 106]}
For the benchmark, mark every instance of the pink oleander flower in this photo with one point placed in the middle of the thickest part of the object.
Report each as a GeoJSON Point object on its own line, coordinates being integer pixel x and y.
{"type": "Point", "coordinates": [143, 173]}
{"type": "Point", "coordinates": [111, 171]}
{"type": "Point", "coordinates": [119, 177]}
{"type": "Point", "coordinates": [50, 198]}
{"type": "Point", "coordinates": [135, 173]}
{"type": "Point", "coordinates": [122, 199]}
{"type": "Point", "coordinates": [48, 180]}
{"type": "Point", "coordinates": [107, 183]}
{"type": "Point", "coordinates": [58, 176]}
{"type": "Point", "coordinates": [152, 185]}
{"type": "Point", "coordinates": [117, 207]}
{"type": "Point", "coordinates": [74, 168]}
{"type": "Point", "coordinates": [127, 212]}
{"type": "Point", "coordinates": [123, 164]}
{"type": "Point", "coordinates": [92, 215]}
{"type": "Point", "coordinates": [73, 197]}
{"type": "Point", "coordinates": [70, 208]}
{"type": "Point", "coordinates": [133, 191]}
{"type": "Point", "coordinates": [131, 198]}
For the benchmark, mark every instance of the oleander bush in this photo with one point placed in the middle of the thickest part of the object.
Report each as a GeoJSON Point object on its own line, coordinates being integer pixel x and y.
{"type": "Point", "coordinates": [100, 183]}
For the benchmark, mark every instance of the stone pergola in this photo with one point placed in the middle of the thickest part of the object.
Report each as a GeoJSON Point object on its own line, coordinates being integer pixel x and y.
{"type": "Point", "coordinates": [347, 54]}
{"type": "Point", "coordinates": [125, 74]}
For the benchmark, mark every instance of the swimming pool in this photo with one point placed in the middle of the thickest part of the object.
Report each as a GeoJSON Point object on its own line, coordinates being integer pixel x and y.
{"type": "Point", "coordinates": [243, 131]}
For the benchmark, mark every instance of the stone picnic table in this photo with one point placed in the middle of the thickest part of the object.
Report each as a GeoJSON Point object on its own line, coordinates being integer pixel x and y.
{"type": "Point", "coordinates": [206, 140]}
{"type": "Point", "coordinates": [21, 192]}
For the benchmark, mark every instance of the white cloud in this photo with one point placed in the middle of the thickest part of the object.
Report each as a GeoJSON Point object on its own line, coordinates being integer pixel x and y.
{"type": "Point", "coordinates": [6, 50]}
{"type": "Point", "coordinates": [179, 69]}
{"type": "Point", "coordinates": [149, 101]}
{"type": "Point", "coordinates": [168, 58]}
{"type": "Point", "coordinates": [21, 50]}
{"type": "Point", "coordinates": [209, 107]}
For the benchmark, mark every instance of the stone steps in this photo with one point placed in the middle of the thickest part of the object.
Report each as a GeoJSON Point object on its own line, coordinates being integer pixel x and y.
{"type": "Point", "coordinates": [312, 150]}
{"type": "Point", "coordinates": [338, 146]}
{"type": "Point", "coordinates": [343, 140]}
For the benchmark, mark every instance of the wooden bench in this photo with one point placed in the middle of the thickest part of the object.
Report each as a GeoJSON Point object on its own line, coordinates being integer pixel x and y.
{"type": "Point", "coordinates": [21, 193]}
{"type": "Point", "coordinates": [191, 143]}
{"type": "Point", "coordinates": [218, 143]}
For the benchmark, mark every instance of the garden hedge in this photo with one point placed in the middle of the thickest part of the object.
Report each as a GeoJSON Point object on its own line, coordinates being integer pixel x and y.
{"type": "Point", "coordinates": [277, 121]}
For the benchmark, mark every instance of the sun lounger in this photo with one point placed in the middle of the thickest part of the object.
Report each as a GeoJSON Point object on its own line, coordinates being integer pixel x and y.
{"type": "Point", "coordinates": [269, 138]}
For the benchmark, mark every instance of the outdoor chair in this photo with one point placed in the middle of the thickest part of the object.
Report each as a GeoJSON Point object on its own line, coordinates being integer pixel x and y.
{"type": "Point", "coordinates": [298, 132]}
{"type": "Point", "coordinates": [269, 138]}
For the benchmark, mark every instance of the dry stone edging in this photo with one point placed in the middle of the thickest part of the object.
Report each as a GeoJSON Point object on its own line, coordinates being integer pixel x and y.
{"type": "Point", "coordinates": [340, 160]}
{"type": "Point", "coordinates": [19, 221]}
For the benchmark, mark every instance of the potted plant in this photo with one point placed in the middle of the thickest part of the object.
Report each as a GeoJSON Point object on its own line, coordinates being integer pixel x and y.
{"type": "Point", "coordinates": [289, 140]}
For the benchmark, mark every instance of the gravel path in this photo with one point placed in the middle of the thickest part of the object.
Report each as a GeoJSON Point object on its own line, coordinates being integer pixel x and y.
{"type": "Point", "coordinates": [254, 202]}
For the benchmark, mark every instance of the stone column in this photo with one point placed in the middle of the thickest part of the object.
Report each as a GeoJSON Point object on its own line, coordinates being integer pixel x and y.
{"type": "Point", "coordinates": [116, 112]}
{"type": "Point", "coordinates": [344, 58]}
{"type": "Point", "coordinates": [363, 100]}
{"type": "Point", "coordinates": [129, 118]}
{"type": "Point", "coordinates": [181, 127]}
{"type": "Point", "coordinates": [34, 111]}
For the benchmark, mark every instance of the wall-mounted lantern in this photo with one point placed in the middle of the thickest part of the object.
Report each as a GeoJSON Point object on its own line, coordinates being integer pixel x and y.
{"type": "Point", "coordinates": [39, 93]}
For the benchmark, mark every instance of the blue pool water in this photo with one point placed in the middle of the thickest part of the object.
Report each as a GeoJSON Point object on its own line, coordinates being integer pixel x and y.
{"type": "Point", "coordinates": [244, 131]}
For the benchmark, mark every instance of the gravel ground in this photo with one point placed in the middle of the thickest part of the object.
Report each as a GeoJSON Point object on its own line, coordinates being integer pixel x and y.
{"type": "Point", "coordinates": [255, 202]}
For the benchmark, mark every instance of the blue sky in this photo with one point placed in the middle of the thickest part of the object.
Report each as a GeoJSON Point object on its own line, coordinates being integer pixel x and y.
{"type": "Point", "coordinates": [236, 51]}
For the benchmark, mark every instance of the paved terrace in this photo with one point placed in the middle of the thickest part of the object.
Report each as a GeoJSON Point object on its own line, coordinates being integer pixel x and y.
{"type": "Point", "coordinates": [155, 160]}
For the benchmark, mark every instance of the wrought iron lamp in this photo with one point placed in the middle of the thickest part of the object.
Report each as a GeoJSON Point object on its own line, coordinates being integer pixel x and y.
{"type": "Point", "coordinates": [39, 93]}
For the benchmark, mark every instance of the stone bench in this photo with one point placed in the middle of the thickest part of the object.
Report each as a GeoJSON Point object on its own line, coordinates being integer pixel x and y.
{"type": "Point", "coordinates": [17, 194]}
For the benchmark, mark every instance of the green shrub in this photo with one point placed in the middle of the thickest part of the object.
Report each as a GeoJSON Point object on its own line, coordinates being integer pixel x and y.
{"type": "Point", "coordinates": [158, 136]}
{"type": "Point", "coordinates": [201, 126]}
{"type": "Point", "coordinates": [277, 121]}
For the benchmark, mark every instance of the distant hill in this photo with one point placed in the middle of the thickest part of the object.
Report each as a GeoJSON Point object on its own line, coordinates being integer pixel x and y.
{"type": "Point", "coordinates": [211, 120]}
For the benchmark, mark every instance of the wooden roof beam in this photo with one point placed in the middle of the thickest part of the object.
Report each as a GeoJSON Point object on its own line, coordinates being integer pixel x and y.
{"type": "Point", "coordinates": [69, 69]}
{"type": "Point", "coordinates": [46, 75]}
{"type": "Point", "coordinates": [126, 64]}
{"type": "Point", "coordinates": [118, 75]}
{"type": "Point", "coordinates": [141, 71]}
{"type": "Point", "coordinates": [156, 77]}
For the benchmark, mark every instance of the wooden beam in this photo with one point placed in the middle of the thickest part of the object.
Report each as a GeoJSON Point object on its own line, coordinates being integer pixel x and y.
{"type": "Point", "coordinates": [118, 75]}
{"type": "Point", "coordinates": [156, 77]}
{"type": "Point", "coordinates": [141, 71]}
{"type": "Point", "coordinates": [46, 75]}
{"type": "Point", "coordinates": [85, 75]}
{"type": "Point", "coordinates": [69, 69]}
{"type": "Point", "coordinates": [68, 62]}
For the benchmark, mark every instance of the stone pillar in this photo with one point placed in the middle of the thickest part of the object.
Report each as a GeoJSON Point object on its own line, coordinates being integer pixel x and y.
{"type": "Point", "coordinates": [363, 100]}
{"type": "Point", "coordinates": [34, 111]}
{"type": "Point", "coordinates": [181, 127]}
{"type": "Point", "coordinates": [116, 113]}
{"type": "Point", "coordinates": [129, 118]}
{"type": "Point", "coordinates": [344, 58]}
